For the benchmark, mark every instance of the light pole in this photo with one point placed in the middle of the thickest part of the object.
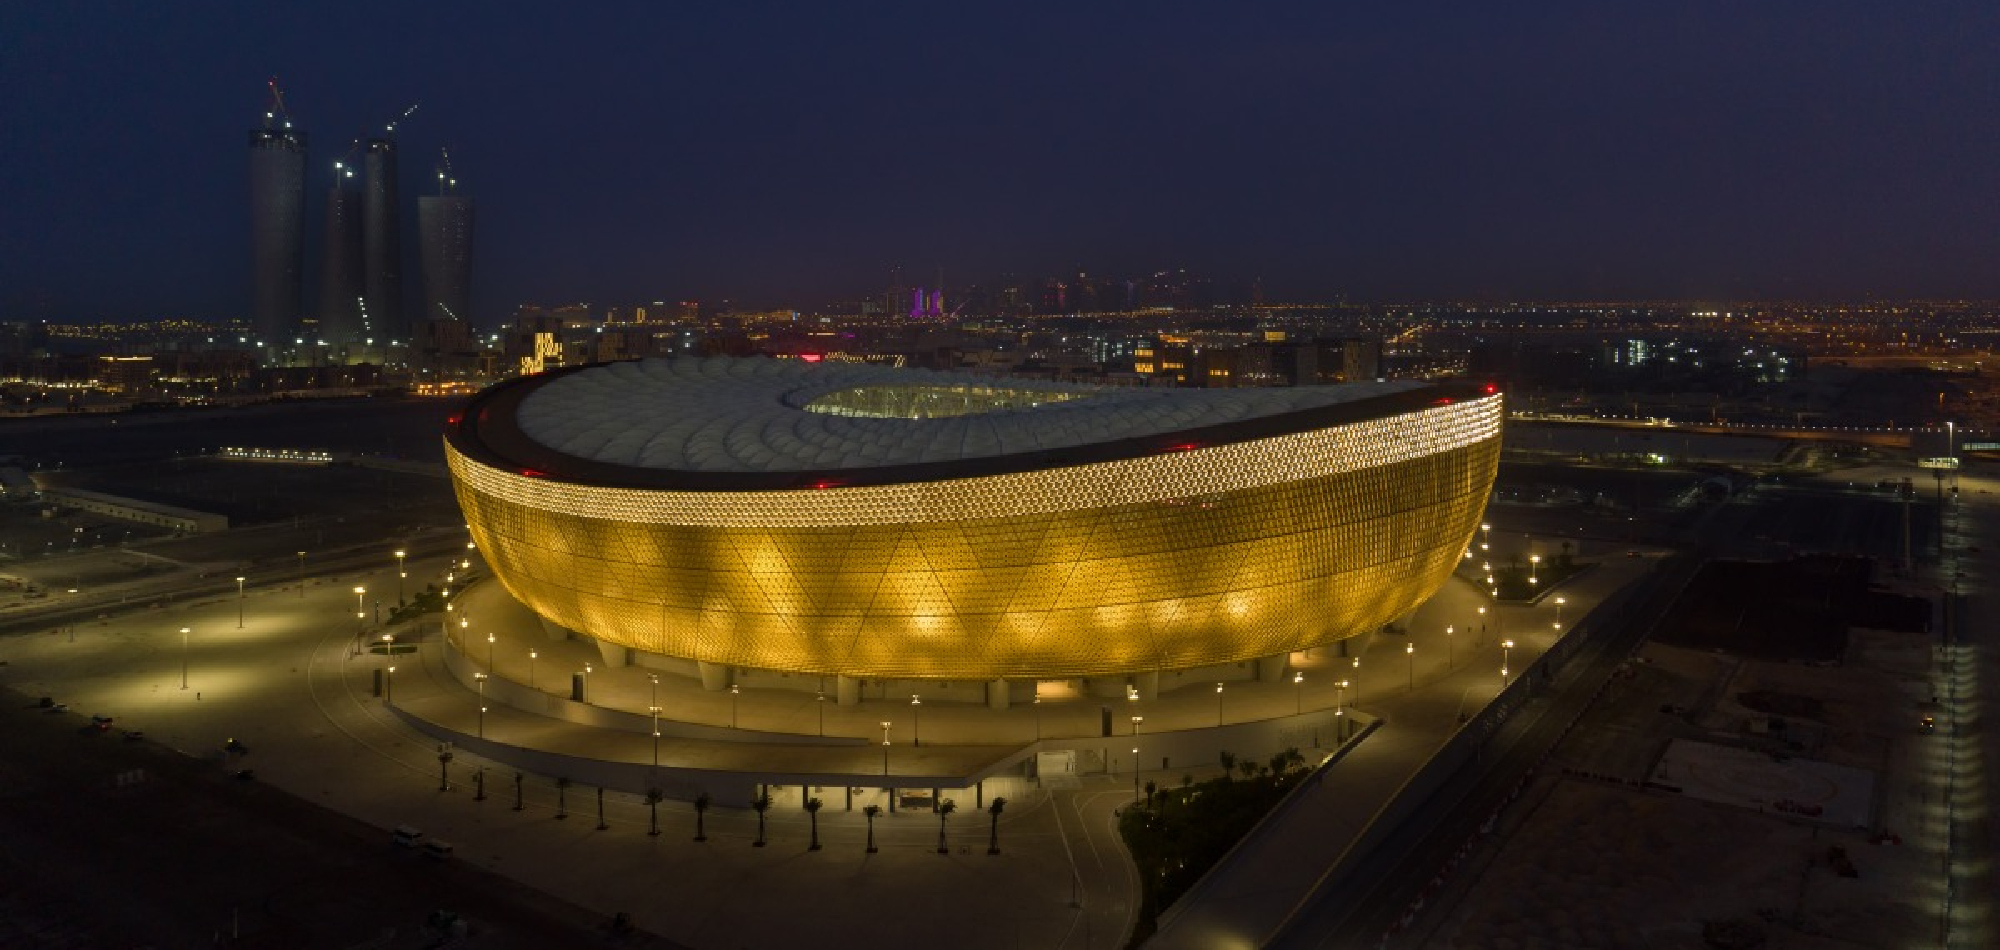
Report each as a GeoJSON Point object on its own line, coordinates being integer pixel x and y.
{"type": "Point", "coordinates": [388, 647]}
{"type": "Point", "coordinates": [184, 657]}
{"type": "Point", "coordinates": [885, 746]}
{"type": "Point", "coordinates": [819, 703]}
{"type": "Point", "coordinates": [1410, 650]}
{"type": "Point", "coordinates": [586, 683]}
{"type": "Point", "coordinates": [239, 603]}
{"type": "Point", "coordinates": [1482, 618]}
{"type": "Point", "coordinates": [653, 701]}
{"type": "Point", "coordinates": [1450, 649]}
{"type": "Point", "coordinates": [1485, 536]}
{"type": "Point", "coordinates": [481, 679]}
{"type": "Point", "coordinates": [1218, 704]}
{"type": "Point", "coordinates": [734, 691]}
{"type": "Point", "coordinates": [916, 722]}
{"type": "Point", "coordinates": [1298, 693]}
{"type": "Point", "coordinates": [1136, 720]}
{"type": "Point", "coordinates": [1038, 718]}
{"type": "Point", "coordinates": [389, 686]}
{"type": "Point", "coordinates": [400, 574]}
{"type": "Point", "coordinates": [302, 575]}
{"type": "Point", "coordinates": [1534, 569]}
{"type": "Point", "coordinates": [531, 668]}
{"type": "Point", "coordinates": [1340, 711]}
{"type": "Point", "coordinates": [1135, 771]}
{"type": "Point", "coordinates": [490, 640]}
{"type": "Point", "coordinates": [360, 609]}
{"type": "Point", "coordinates": [1560, 601]}
{"type": "Point", "coordinates": [1506, 655]}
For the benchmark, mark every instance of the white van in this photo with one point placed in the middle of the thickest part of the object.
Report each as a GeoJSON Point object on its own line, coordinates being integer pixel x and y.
{"type": "Point", "coordinates": [406, 836]}
{"type": "Point", "coordinates": [437, 849]}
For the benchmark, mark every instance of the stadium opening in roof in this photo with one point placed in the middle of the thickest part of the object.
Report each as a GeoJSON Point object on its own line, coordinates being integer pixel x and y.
{"type": "Point", "coordinates": [871, 523]}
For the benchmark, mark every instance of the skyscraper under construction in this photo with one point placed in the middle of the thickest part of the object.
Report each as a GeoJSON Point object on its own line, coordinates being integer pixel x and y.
{"type": "Point", "coordinates": [277, 226]}
{"type": "Point", "coordinates": [341, 318]}
{"type": "Point", "coordinates": [382, 240]}
{"type": "Point", "coordinates": [444, 233]}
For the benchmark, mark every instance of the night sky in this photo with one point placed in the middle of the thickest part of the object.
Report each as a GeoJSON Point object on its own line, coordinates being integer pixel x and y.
{"type": "Point", "coordinates": [789, 154]}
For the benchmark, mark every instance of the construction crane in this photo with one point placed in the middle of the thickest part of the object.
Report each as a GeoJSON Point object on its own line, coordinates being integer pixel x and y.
{"type": "Point", "coordinates": [406, 114]}
{"type": "Point", "coordinates": [446, 180]}
{"type": "Point", "coordinates": [276, 111]}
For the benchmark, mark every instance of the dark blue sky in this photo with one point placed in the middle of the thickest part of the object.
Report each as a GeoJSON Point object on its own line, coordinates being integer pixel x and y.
{"type": "Point", "coordinates": [790, 153]}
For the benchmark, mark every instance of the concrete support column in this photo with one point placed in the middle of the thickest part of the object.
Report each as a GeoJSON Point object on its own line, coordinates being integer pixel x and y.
{"type": "Point", "coordinates": [996, 694]}
{"type": "Point", "coordinates": [846, 691]}
{"type": "Point", "coordinates": [716, 677]}
{"type": "Point", "coordinates": [552, 630]}
{"type": "Point", "coordinates": [614, 655]}
{"type": "Point", "coordinates": [1148, 685]}
{"type": "Point", "coordinates": [1271, 669]}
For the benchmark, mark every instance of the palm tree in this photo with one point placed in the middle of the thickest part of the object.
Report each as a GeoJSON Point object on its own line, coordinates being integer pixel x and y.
{"type": "Point", "coordinates": [760, 804]}
{"type": "Point", "coordinates": [1152, 789]}
{"type": "Point", "coordinates": [871, 811]}
{"type": "Point", "coordinates": [812, 812]}
{"type": "Point", "coordinates": [700, 808]}
{"type": "Point", "coordinates": [653, 796]}
{"type": "Point", "coordinates": [1228, 760]}
{"type": "Point", "coordinates": [993, 839]}
{"type": "Point", "coordinates": [562, 796]}
{"type": "Point", "coordinates": [944, 810]}
{"type": "Point", "coordinates": [1247, 767]}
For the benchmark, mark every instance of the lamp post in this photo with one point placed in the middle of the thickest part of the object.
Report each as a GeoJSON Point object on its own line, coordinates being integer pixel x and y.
{"type": "Point", "coordinates": [490, 641]}
{"type": "Point", "coordinates": [360, 609]}
{"type": "Point", "coordinates": [1136, 720]}
{"type": "Point", "coordinates": [885, 746]}
{"type": "Point", "coordinates": [388, 646]}
{"type": "Point", "coordinates": [184, 657]}
{"type": "Point", "coordinates": [1485, 536]}
{"type": "Point", "coordinates": [586, 684]}
{"type": "Point", "coordinates": [1450, 649]}
{"type": "Point", "coordinates": [1482, 618]}
{"type": "Point", "coordinates": [239, 603]}
{"type": "Point", "coordinates": [1038, 717]}
{"type": "Point", "coordinates": [916, 721]}
{"type": "Point", "coordinates": [1298, 693]}
{"type": "Point", "coordinates": [302, 575]}
{"type": "Point", "coordinates": [480, 678]}
{"type": "Point", "coordinates": [1410, 650]}
{"type": "Point", "coordinates": [1340, 712]}
{"type": "Point", "coordinates": [1534, 569]}
{"type": "Point", "coordinates": [1560, 601]}
{"type": "Point", "coordinates": [400, 574]}
{"type": "Point", "coordinates": [819, 703]}
{"type": "Point", "coordinates": [1135, 771]}
{"type": "Point", "coordinates": [1506, 655]}
{"type": "Point", "coordinates": [734, 691]}
{"type": "Point", "coordinates": [389, 686]}
{"type": "Point", "coordinates": [531, 668]}
{"type": "Point", "coordinates": [1218, 704]}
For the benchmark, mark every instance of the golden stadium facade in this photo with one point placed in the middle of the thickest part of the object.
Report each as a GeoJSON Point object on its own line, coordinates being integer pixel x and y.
{"type": "Point", "coordinates": [881, 523]}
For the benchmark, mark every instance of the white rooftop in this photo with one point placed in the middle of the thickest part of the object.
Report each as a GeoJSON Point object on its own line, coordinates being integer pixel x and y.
{"type": "Point", "coordinates": [751, 415]}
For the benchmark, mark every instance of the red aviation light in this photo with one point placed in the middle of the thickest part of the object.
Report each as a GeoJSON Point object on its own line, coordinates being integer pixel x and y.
{"type": "Point", "coordinates": [453, 419]}
{"type": "Point", "coordinates": [1490, 389]}
{"type": "Point", "coordinates": [1445, 401]}
{"type": "Point", "coordinates": [812, 357]}
{"type": "Point", "coordinates": [533, 473]}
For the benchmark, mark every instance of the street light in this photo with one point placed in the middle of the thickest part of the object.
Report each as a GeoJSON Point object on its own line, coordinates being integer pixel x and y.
{"type": "Point", "coordinates": [1339, 711]}
{"type": "Point", "coordinates": [239, 603]}
{"type": "Point", "coordinates": [400, 574]}
{"type": "Point", "coordinates": [481, 679]}
{"type": "Point", "coordinates": [819, 703]}
{"type": "Point", "coordinates": [360, 609]}
{"type": "Point", "coordinates": [389, 686]}
{"type": "Point", "coordinates": [1136, 720]}
{"type": "Point", "coordinates": [916, 720]}
{"type": "Point", "coordinates": [1410, 650]}
{"type": "Point", "coordinates": [388, 646]}
{"type": "Point", "coordinates": [885, 746]}
{"type": "Point", "coordinates": [490, 640]}
{"type": "Point", "coordinates": [531, 668]}
{"type": "Point", "coordinates": [1485, 535]}
{"type": "Point", "coordinates": [1450, 650]}
{"type": "Point", "coordinates": [1218, 704]}
{"type": "Point", "coordinates": [586, 683]}
{"type": "Point", "coordinates": [1298, 693]}
{"type": "Point", "coordinates": [184, 657]}
{"type": "Point", "coordinates": [1506, 655]}
{"type": "Point", "coordinates": [1560, 601]}
{"type": "Point", "coordinates": [1482, 618]}
{"type": "Point", "coordinates": [1135, 771]}
{"type": "Point", "coordinates": [1038, 718]}
{"type": "Point", "coordinates": [734, 691]}
{"type": "Point", "coordinates": [1534, 568]}
{"type": "Point", "coordinates": [302, 575]}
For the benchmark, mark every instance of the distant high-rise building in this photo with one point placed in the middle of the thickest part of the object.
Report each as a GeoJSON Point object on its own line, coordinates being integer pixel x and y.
{"type": "Point", "coordinates": [277, 231]}
{"type": "Point", "coordinates": [444, 234]}
{"type": "Point", "coordinates": [382, 241]}
{"type": "Point", "coordinates": [341, 286]}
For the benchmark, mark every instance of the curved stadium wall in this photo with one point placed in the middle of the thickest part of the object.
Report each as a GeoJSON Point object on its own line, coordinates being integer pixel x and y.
{"type": "Point", "coordinates": [1197, 555]}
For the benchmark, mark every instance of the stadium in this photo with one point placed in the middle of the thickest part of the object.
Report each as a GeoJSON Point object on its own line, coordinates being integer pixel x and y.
{"type": "Point", "coordinates": [870, 523]}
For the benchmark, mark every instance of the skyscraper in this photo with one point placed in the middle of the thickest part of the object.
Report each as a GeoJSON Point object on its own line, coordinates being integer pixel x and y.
{"type": "Point", "coordinates": [340, 286]}
{"type": "Point", "coordinates": [277, 230]}
{"type": "Point", "coordinates": [444, 232]}
{"type": "Point", "coordinates": [382, 241]}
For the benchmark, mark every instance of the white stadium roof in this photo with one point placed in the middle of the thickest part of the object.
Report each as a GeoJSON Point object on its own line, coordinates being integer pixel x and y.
{"type": "Point", "coordinates": [751, 415]}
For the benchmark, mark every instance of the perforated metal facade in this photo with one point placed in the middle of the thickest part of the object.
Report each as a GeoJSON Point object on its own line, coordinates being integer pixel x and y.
{"type": "Point", "coordinates": [1156, 562]}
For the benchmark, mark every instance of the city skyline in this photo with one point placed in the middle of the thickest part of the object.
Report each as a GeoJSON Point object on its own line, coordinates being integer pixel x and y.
{"type": "Point", "coordinates": [1563, 152]}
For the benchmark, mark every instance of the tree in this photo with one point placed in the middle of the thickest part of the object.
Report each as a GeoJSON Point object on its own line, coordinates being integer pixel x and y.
{"type": "Point", "coordinates": [562, 796]}
{"type": "Point", "coordinates": [1152, 789]}
{"type": "Point", "coordinates": [600, 809]}
{"type": "Point", "coordinates": [812, 812]}
{"type": "Point", "coordinates": [700, 809]}
{"type": "Point", "coordinates": [993, 840]}
{"type": "Point", "coordinates": [1228, 760]}
{"type": "Point", "coordinates": [871, 811]}
{"type": "Point", "coordinates": [653, 796]}
{"type": "Point", "coordinates": [1247, 767]}
{"type": "Point", "coordinates": [944, 809]}
{"type": "Point", "coordinates": [1278, 762]}
{"type": "Point", "coordinates": [760, 804]}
